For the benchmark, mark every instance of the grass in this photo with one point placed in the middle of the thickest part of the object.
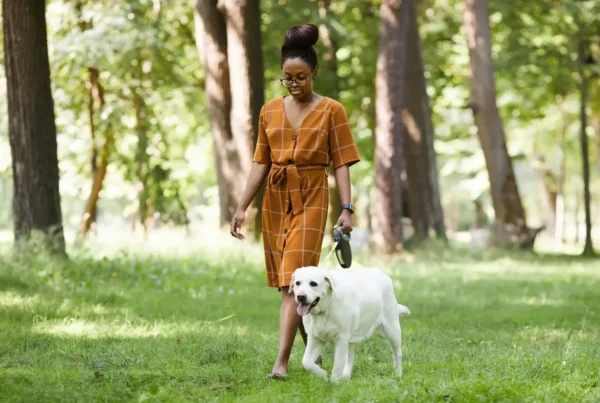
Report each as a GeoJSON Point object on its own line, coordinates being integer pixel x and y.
{"type": "Point", "coordinates": [204, 327]}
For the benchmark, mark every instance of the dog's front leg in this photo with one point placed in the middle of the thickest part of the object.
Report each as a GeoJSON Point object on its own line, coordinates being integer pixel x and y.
{"type": "Point", "coordinates": [341, 355]}
{"type": "Point", "coordinates": [314, 347]}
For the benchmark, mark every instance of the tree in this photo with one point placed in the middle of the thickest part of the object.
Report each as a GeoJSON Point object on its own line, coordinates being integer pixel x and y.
{"type": "Point", "coordinates": [246, 79]}
{"type": "Point", "coordinates": [96, 95]}
{"type": "Point", "coordinates": [95, 100]}
{"type": "Point", "coordinates": [511, 224]}
{"type": "Point", "coordinates": [419, 154]}
{"type": "Point", "coordinates": [31, 125]}
{"type": "Point", "coordinates": [389, 130]}
{"type": "Point", "coordinates": [330, 80]}
{"type": "Point", "coordinates": [232, 145]}
{"type": "Point", "coordinates": [582, 53]}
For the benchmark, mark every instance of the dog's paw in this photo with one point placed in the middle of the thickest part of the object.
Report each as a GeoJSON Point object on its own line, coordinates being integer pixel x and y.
{"type": "Point", "coordinates": [336, 379]}
{"type": "Point", "coordinates": [321, 373]}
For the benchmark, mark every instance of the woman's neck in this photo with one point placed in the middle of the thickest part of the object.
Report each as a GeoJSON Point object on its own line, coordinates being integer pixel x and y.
{"type": "Point", "coordinates": [305, 101]}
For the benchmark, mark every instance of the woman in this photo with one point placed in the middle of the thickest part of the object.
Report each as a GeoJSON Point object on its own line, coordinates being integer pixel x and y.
{"type": "Point", "coordinates": [298, 137]}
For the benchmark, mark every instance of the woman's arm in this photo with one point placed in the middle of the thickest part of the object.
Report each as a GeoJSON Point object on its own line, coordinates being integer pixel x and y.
{"type": "Point", "coordinates": [342, 179]}
{"type": "Point", "coordinates": [255, 180]}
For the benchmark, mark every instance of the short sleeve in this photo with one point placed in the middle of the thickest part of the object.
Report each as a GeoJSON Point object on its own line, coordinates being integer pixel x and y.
{"type": "Point", "coordinates": [342, 148]}
{"type": "Point", "coordinates": [262, 151]}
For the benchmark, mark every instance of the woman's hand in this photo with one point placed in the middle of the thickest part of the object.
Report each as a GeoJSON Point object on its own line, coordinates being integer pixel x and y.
{"type": "Point", "coordinates": [236, 224]}
{"type": "Point", "coordinates": [345, 221]}
{"type": "Point", "coordinates": [256, 178]}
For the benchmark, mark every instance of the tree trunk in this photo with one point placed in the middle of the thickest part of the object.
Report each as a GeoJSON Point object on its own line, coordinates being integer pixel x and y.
{"type": "Point", "coordinates": [211, 40]}
{"type": "Point", "coordinates": [388, 234]}
{"type": "Point", "coordinates": [31, 125]}
{"type": "Point", "coordinates": [96, 94]}
{"type": "Point", "coordinates": [84, 25]}
{"type": "Point", "coordinates": [577, 214]}
{"type": "Point", "coordinates": [329, 75]}
{"type": "Point", "coordinates": [97, 182]}
{"type": "Point", "coordinates": [421, 166]}
{"type": "Point", "coordinates": [588, 249]}
{"type": "Point", "coordinates": [559, 223]}
{"type": "Point", "coordinates": [244, 51]}
{"type": "Point", "coordinates": [94, 157]}
{"type": "Point", "coordinates": [596, 126]}
{"type": "Point", "coordinates": [142, 159]}
{"type": "Point", "coordinates": [511, 224]}
{"type": "Point", "coordinates": [547, 184]}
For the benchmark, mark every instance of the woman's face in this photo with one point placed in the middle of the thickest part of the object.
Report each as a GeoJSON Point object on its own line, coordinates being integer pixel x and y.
{"type": "Point", "coordinates": [298, 78]}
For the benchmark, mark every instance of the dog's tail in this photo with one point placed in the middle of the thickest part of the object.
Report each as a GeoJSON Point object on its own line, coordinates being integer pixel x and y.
{"type": "Point", "coordinates": [403, 311]}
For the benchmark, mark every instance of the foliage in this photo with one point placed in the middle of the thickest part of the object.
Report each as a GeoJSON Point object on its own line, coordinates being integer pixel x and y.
{"type": "Point", "coordinates": [147, 47]}
{"type": "Point", "coordinates": [151, 55]}
{"type": "Point", "coordinates": [203, 327]}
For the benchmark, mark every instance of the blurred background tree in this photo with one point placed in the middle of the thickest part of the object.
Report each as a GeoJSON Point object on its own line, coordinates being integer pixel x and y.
{"type": "Point", "coordinates": [155, 129]}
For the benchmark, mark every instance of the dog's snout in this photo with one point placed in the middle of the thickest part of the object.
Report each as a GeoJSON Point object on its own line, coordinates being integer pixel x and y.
{"type": "Point", "coordinates": [301, 297]}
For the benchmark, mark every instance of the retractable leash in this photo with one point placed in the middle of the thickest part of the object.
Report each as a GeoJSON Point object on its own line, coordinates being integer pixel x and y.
{"type": "Point", "coordinates": [341, 247]}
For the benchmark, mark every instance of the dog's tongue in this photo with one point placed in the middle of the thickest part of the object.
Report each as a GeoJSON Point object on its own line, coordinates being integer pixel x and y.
{"type": "Point", "coordinates": [303, 309]}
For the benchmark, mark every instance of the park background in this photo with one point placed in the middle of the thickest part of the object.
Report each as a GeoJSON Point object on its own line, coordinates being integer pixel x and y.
{"type": "Point", "coordinates": [131, 288]}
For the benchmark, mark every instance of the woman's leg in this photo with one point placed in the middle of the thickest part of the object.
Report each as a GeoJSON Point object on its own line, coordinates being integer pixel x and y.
{"type": "Point", "coordinates": [289, 323]}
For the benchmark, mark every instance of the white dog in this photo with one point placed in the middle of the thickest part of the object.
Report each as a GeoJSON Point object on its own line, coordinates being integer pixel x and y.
{"type": "Point", "coordinates": [345, 307]}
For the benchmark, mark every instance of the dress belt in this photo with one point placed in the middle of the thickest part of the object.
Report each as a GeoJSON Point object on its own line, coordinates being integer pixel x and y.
{"type": "Point", "coordinates": [281, 172]}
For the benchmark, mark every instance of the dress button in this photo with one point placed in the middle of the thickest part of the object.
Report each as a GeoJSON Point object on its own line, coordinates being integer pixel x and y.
{"type": "Point", "coordinates": [294, 137]}
{"type": "Point", "coordinates": [290, 161]}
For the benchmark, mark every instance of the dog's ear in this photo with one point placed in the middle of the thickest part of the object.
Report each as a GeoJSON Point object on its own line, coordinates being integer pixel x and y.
{"type": "Point", "coordinates": [329, 280]}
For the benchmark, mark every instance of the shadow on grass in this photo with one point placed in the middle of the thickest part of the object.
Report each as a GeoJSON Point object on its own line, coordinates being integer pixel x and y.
{"type": "Point", "coordinates": [125, 328]}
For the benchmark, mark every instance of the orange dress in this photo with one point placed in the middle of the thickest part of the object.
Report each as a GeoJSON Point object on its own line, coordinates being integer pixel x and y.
{"type": "Point", "coordinates": [296, 196]}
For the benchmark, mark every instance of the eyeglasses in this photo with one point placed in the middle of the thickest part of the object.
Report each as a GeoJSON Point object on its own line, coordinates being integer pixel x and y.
{"type": "Point", "coordinates": [300, 82]}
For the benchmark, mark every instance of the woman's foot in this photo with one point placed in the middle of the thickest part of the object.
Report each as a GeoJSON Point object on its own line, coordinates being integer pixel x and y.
{"type": "Point", "coordinates": [276, 375]}
{"type": "Point", "coordinates": [280, 367]}
{"type": "Point", "coordinates": [279, 371]}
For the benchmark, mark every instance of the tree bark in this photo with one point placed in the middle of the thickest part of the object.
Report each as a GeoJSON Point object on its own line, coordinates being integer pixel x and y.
{"type": "Point", "coordinates": [576, 216]}
{"type": "Point", "coordinates": [331, 89]}
{"type": "Point", "coordinates": [559, 223]}
{"type": "Point", "coordinates": [548, 185]}
{"type": "Point", "coordinates": [142, 160]}
{"type": "Point", "coordinates": [421, 166]}
{"type": "Point", "coordinates": [511, 224]}
{"type": "Point", "coordinates": [97, 183]}
{"type": "Point", "coordinates": [588, 249]}
{"type": "Point", "coordinates": [31, 125]}
{"type": "Point", "coordinates": [96, 95]}
{"type": "Point", "coordinates": [93, 93]}
{"type": "Point", "coordinates": [211, 40]}
{"type": "Point", "coordinates": [244, 51]}
{"type": "Point", "coordinates": [388, 234]}
{"type": "Point", "coordinates": [596, 126]}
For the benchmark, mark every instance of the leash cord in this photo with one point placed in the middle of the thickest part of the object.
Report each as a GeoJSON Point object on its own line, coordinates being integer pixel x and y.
{"type": "Point", "coordinates": [330, 253]}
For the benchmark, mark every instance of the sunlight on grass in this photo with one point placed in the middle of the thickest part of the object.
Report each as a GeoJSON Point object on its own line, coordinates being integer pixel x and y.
{"type": "Point", "coordinates": [201, 325]}
{"type": "Point", "coordinates": [12, 299]}
{"type": "Point", "coordinates": [123, 329]}
{"type": "Point", "coordinates": [542, 336]}
{"type": "Point", "coordinates": [541, 300]}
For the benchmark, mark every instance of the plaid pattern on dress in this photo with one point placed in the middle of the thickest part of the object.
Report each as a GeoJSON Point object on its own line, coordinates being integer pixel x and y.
{"type": "Point", "coordinates": [296, 195]}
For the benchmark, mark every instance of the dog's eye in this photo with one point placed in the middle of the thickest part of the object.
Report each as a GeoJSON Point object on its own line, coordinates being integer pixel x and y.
{"type": "Point", "coordinates": [297, 283]}
{"type": "Point", "coordinates": [313, 284]}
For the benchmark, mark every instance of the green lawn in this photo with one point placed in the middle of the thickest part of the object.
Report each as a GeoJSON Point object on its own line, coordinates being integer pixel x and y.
{"type": "Point", "coordinates": [204, 327]}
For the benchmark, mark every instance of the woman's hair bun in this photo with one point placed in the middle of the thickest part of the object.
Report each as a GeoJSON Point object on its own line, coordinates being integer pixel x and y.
{"type": "Point", "coordinates": [301, 36]}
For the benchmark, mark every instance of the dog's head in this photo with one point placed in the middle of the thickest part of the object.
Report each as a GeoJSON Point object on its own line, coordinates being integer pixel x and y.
{"type": "Point", "coordinates": [312, 288]}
